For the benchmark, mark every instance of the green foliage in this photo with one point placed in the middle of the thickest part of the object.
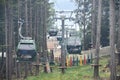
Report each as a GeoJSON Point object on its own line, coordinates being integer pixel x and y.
{"type": "Point", "coordinates": [83, 16]}
{"type": "Point", "coordinates": [2, 32]}
{"type": "Point", "coordinates": [19, 10]}
{"type": "Point", "coordinates": [1, 1]}
{"type": "Point", "coordinates": [105, 24]}
{"type": "Point", "coordinates": [51, 13]}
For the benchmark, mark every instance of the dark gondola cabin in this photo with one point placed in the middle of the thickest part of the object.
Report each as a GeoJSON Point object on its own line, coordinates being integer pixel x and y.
{"type": "Point", "coordinates": [74, 45]}
{"type": "Point", "coordinates": [59, 36]}
{"type": "Point", "coordinates": [53, 32]}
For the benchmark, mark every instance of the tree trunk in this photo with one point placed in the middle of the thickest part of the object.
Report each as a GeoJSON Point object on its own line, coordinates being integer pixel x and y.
{"type": "Point", "coordinates": [35, 22]}
{"type": "Point", "coordinates": [34, 33]}
{"type": "Point", "coordinates": [8, 40]}
{"type": "Point", "coordinates": [118, 41]}
{"type": "Point", "coordinates": [44, 37]}
{"type": "Point", "coordinates": [41, 33]}
{"type": "Point", "coordinates": [30, 19]}
{"type": "Point", "coordinates": [96, 67]}
{"type": "Point", "coordinates": [112, 41]}
{"type": "Point", "coordinates": [118, 48]}
{"type": "Point", "coordinates": [26, 18]}
{"type": "Point", "coordinates": [93, 23]}
{"type": "Point", "coordinates": [84, 25]}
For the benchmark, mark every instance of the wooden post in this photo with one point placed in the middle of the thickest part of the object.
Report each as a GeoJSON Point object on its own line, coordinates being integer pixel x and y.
{"type": "Point", "coordinates": [18, 69]}
{"type": "Point", "coordinates": [30, 68]}
{"type": "Point", "coordinates": [37, 65]}
{"type": "Point", "coordinates": [81, 61]}
{"type": "Point", "coordinates": [26, 69]}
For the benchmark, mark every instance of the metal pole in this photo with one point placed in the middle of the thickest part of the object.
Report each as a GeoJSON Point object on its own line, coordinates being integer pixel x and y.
{"type": "Point", "coordinates": [63, 47]}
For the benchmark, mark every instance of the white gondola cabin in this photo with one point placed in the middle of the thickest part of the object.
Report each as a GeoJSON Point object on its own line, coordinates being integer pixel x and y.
{"type": "Point", "coordinates": [26, 49]}
{"type": "Point", "coordinates": [74, 45]}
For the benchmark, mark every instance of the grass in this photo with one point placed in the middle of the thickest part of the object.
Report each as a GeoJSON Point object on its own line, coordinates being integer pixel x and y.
{"type": "Point", "coordinates": [84, 72]}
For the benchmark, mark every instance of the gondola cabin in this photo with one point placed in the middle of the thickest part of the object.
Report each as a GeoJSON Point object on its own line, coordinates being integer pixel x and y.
{"type": "Point", "coordinates": [74, 45]}
{"type": "Point", "coordinates": [26, 49]}
{"type": "Point", "coordinates": [59, 36]}
{"type": "Point", "coordinates": [53, 32]}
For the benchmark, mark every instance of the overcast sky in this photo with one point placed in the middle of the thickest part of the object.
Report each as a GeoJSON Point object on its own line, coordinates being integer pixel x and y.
{"type": "Point", "coordinates": [64, 5]}
{"type": "Point", "coordinates": [61, 5]}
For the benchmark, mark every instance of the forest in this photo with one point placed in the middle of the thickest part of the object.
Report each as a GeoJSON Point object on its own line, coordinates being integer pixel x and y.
{"type": "Point", "coordinates": [98, 20]}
